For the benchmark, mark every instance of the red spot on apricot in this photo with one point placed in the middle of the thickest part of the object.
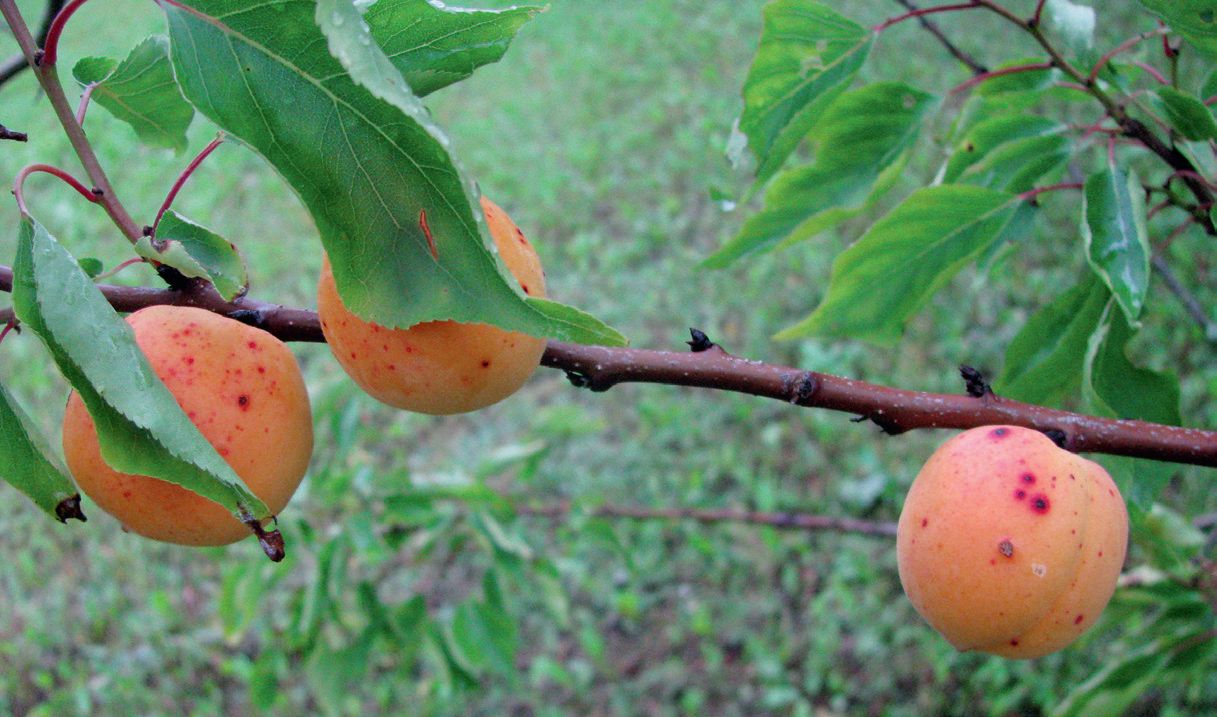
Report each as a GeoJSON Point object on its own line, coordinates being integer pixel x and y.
{"type": "Point", "coordinates": [1020, 494]}
{"type": "Point", "coordinates": [243, 402]}
{"type": "Point", "coordinates": [252, 344]}
{"type": "Point", "coordinates": [1078, 620]}
{"type": "Point", "coordinates": [925, 522]}
{"type": "Point", "coordinates": [485, 363]}
{"type": "Point", "coordinates": [1039, 503]}
{"type": "Point", "coordinates": [1014, 643]}
{"type": "Point", "coordinates": [999, 433]}
{"type": "Point", "coordinates": [1028, 478]}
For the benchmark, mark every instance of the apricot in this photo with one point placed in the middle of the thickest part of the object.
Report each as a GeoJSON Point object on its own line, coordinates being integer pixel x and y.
{"type": "Point", "coordinates": [1010, 545]}
{"type": "Point", "coordinates": [439, 367]}
{"type": "Point", "coordinates": [243, 390]}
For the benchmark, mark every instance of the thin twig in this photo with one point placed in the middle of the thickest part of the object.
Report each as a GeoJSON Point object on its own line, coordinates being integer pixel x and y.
{"type": "Point", "coordinates": [48, 78]}
{"type": "Point", "coordinates": [1130, 42]}
{"type": "Point", "coordinates": [1191, 304]}
{"type": "Point", "coordinates": [15, 64]}
{"type": "Point", "coordinates": [922, 12]}
{"type": "Point", "coordinates": [19, 184]}
{"type": "Point", "coordinates": [1001, 72]}
{"type": "Point", "coordinates": [932, 27]}
{"type": "Point", "coordinates": [14, 135]}
{"type": "Point", "coordinates": [779, 520]}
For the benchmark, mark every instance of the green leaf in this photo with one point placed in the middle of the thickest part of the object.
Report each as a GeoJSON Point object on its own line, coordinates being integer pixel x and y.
{"type": "Point", "coordinates": [1045, 361]}
{"type": "Point", "coordinates": [141, 91]}
{"type": "Point", "coordinates": [1117, 243]}
{"type": "Point", "coordinates": [1073, 23]}
{"type": "Point", "coordinates": [991, 133]}
{"type": "Point", "coordinates": [196, 251]}
{"type": "Point", "coordinates": [485, 637]}
{"type": "Point", "coordinates": [369, 163]}
{"type": "Point", "coordinates": [1210, 86]}
{"type": "Point", "coordinates": [331, 671]}
{"type": "Point", "coordinates": [1196, 20]}
{"type": "Point", "coordinates": [885, 277]}
{"type": "Point", "coordinates": [91, 266]}
{"type": "Point", "coordinates": [863, 133]}
{"type": "Point", "coordinates": [1121, 681]}
{"type": "Point", "coordinates": [1121, 389]}
{"type": "Point", "coordinates": [808, 54]}
{"type": "Point", "coordinates": [1188, 114]}
{"type": "Point", "coordinates": [27, 464]}
{"type": "Point", "coordinates": [432, 47]}
{"type": "Point", "coordinates": [1017, 165]}
{"type": "Point", "coordinates": [1115, 387]}
{"type": "Point", "coordinates": [140, 427]}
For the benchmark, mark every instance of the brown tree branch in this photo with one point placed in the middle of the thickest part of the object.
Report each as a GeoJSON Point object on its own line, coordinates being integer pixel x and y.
{"type": "Point", "coordinates": [779, 520]}
{"type": "Point", "coordinates": [599, 368]}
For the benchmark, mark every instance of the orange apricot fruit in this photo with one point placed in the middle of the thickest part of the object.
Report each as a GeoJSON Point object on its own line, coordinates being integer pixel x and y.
{"type": "Point", "coordinates": [1010, 545]}
{"type": "Point", "coordinates": [242, 388]}
{"type": "Point", "coordinates": [439, 367]}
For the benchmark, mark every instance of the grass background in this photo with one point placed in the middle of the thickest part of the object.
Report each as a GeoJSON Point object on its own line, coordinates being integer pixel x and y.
{"type": "Point", "coordinates": [602, 134]}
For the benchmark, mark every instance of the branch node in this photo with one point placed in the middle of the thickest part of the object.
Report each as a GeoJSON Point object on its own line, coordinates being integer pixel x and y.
{"type": "Point", "coordinates": [700, 341]}
{"type": "Point", "coordinates": [270, 540]}
{"type": "Point", "coordinates": [578, 380]}
{"type": "Point", "coordinates": [974, 382]}
{"type": "Point", "coordinates": [70, 508]}
{"type": "Point", "coordinates": [252, 317]}
{"type": "Point", "coordinates": [38, 55]}
{"type": "Point", "coordinates": [97, 192]}
{"type": "Point", "coordinates": [1057, 436]}
{"type": "Point", "coordinates": [173, 278]}
{"type": "Point", "coordinates": [803, 388]}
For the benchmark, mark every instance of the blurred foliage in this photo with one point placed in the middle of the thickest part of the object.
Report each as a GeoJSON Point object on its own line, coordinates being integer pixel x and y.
{"type": "Point", "coordinates": [413, 585]}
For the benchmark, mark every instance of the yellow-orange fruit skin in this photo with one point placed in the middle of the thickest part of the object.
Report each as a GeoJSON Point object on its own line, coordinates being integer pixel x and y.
{"type": "Point", "coordinates": [439, 367]}
{"type": "Point", "coordinates": [1010, 545]}
{"type": "Point", "coordinates": [243, 390]}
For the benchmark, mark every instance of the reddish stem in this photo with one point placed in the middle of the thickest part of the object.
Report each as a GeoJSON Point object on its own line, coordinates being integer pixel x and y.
{"type": "Point", "coordinates": [1033, 193]}
{"type": "Point", "coordinates": [976, 80]}
{"type": "Point", "coordinates": [50, 50]}
{"type": "Point", "coordinates": [1175, 234]}
{"type": "Point", "coordinates": [780, 521]}
{"type": "Point", "coordinates": [1153, 211]}
{"type": "Point", "coordinates": [181, 180]}
{"type": "Point", "coordinates": [120, 267]}
{"type": "Point", "coordinates": [83, 106]}
{"type": "Point", "coordinates": [1210, 100]}
{"type": "Point", "coordinates": [19, 182]}
{"type": "Point", "coordinates": [1039, 13]}
{"type": "Point", "coordinates": [8, 326]}
{"type": "Point", "coordinates": [1130, 42]}
{"type": "Point", "coordinates": [922, 12]}
{"type": "Point", "coordinates": [1153, 71]}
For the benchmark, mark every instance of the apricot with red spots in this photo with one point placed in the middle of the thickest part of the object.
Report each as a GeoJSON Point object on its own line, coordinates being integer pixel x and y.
{"type": "Point", "coordinates": [243, 390]}
{"type": "Point", "coordinates": [439, 367]}
{"type": "Point", "coordinates": [1010, 545]}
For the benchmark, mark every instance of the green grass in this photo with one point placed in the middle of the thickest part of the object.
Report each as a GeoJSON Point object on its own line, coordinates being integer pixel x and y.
{"type": "Point", "coordinates": [602, 134]}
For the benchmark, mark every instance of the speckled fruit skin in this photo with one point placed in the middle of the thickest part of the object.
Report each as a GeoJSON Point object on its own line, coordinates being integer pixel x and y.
{"type": "Point", "coordinates": [439, 367]}
{"type": "Point", "coordinates": [1010, 545]}
{"type": "Point", "coordinates": [243, 390]}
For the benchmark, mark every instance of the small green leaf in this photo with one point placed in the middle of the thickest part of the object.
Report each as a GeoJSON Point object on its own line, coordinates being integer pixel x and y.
{"type": "Point", "coordinates": [27, 464]}
{"type": "Point", "coordinates": [1073, 23]}
{"type": "Point", "coordinates": [142, 92]}
{"type": "Point", "coordinates": [92, 266]}
{"type": "Point", "coordinates": [808, 54]}
{"type": "Point", "coordinates": [1196, 20]}
{"type": "Point", "coordinates": [1045, 361]}
{"type": "Point", "coordinates": [433, 47]}
{"type": "Point", "coordinates": [141, 429]}
{"type": "Point", "coordinates": [1117, 243]}
{"type": "Point", "coordinates": [1209, 89]}
{"type": "Point", "coordinates": [370, 164]}
{"type": "Point", "coordinates": [485, 637]}
{"type": "Point", "coordinates": [331, 671]}
{"type": "Point", "coordinates": [885, 277]}
{"type": "Point", "coordinates": [991, 133]}
{"type": "Point", "coordinates": [1188, 114]}
{"type": "Point", "coordinates": [863, 133]}
{"type": "Point", "coordinates": [197, 252]}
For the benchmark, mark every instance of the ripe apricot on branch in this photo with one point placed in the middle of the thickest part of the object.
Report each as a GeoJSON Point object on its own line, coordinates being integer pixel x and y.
{"type": "Point", "coordinates": [243, 390]}
{"type": "Point", "coordinates": [1010, 545]}
{"type": "Point", "coordinates": [439, 367]}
